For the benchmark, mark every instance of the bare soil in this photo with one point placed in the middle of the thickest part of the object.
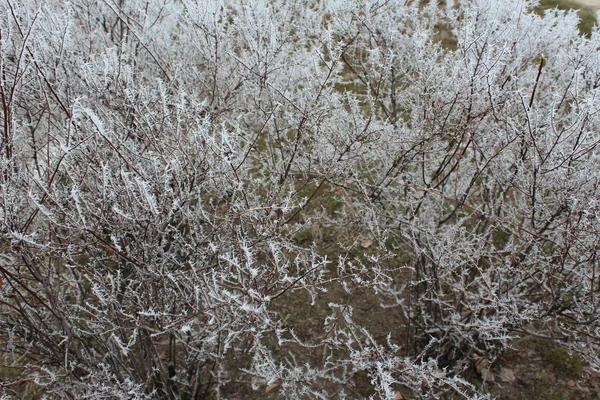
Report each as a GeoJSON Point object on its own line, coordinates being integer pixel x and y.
{"type": "Point", "coordinates": [537, 369]}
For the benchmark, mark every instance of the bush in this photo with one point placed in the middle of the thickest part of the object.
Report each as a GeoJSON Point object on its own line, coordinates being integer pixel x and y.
{"type": "Point", "coordinates": [176, 178]}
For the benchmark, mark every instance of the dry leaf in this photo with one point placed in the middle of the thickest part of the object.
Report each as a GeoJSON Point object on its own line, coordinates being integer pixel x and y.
{"type": "Point", "coordinates": [366, 243]}
{"type": "Point", "coordinates": [398, 396]}
{"type": "Point", "coordinates": [483, 366]}
{"type": "Point", "coordinates": [272, 387]}
{"type": "Point", "coordinates": [507, 375]}
{"type": "Point", "coordinates": [590, 371]}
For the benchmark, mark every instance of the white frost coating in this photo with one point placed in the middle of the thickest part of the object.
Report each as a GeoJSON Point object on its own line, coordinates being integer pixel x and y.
{"type": "Point", "coordinates": [220, 153]}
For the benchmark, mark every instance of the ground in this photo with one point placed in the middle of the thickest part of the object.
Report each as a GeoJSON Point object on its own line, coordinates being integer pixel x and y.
{"type": "Point", "coordinates": [593, 4]}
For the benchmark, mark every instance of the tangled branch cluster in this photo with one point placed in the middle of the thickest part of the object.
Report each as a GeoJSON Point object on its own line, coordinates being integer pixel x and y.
{"type": "Point", "coordinates": [198, 198]}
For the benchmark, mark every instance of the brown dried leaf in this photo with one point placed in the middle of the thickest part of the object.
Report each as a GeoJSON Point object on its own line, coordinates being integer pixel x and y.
{"type": "Point", "coordinates": [272, 387]}
{"type": "Point", "coordinates": [366, 243]}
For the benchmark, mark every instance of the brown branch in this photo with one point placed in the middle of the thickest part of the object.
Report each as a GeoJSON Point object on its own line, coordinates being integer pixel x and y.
{"type": "Point", "coordinates": [537, 79]}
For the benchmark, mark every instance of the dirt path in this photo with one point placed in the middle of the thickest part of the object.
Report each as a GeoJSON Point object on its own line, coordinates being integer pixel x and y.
{"type": "Point", "coordinates": [593, 4]}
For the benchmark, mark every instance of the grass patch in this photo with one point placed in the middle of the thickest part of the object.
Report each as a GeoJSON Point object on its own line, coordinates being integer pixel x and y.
{"type": "Point", "coordinates": [25, 389]}
{"type": "Point", "coordinates": [563, 363]}
{"type": "Point", "coordinates": [542, 386]}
